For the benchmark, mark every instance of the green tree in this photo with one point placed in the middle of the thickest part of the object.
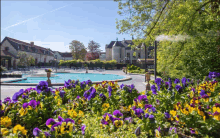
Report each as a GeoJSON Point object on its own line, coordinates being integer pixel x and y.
{"type": "Point", "coordinates": [188, 32]}
{"type": "Point", "coordinates": [94, 47]}
{"type": "Point", "coordinates": [78, 50]}
{"type": "Point", "coordinates": [25, 60]}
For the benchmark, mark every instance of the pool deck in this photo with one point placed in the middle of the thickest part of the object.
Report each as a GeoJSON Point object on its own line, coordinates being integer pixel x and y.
{"type": "Point", "coordinates": [136, 79]}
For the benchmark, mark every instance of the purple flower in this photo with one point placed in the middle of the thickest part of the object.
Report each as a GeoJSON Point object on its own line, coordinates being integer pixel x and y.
{"type": "Point", "coordinates": [89, 82]}
{"type": "Point", "coordinates": [138, 112]}
{"type": "Point", "coordinates": [36, 132]}
{"type": "Point", "coordinates": [83, 128]}
{"type": "Point", "coordinates": [158, 81]}
{"type": "Point", "coordinates": [103, 96]}
{"type": "Point", "coordinates": [143, 98]}
{"type": "Point", "coordinates": [83, 85]}
{"type": "Point", "coordinates": [60, 119]}
{"type": "Point", "coordinates": [55, 125]}
{"type": "Point", "coordinates": [67, 84]}
{"type": "Point", "coordinates": [217, 104]}
{"type": "Point", "coordinates": [202, 93]}
{"type": "Point", "coordinates": [2, 113]}
{"type": "Point", "coordinates": [117, 113]}
{"type": "Point", "coordinates": [7, 99]}
{"type": "Point", "coordinates": [17, 94]}
{"type": "Point", "coordinates": [184, 81]}
{"type": "Point", "coordinates": [62, 93]}
{"type": "Point", "coordinates": [55, 112]}
{"type": "Point", "coordinates": [132, 86]}
{"type": "Point", "coordinates": [148, 106]}
{"type": "Point", "coordinates": [158, 102]}
{"type": "Point", "coordinates": [68, 120]}
{"type": "Point", "coordinates": [151, 117]}
{"type": "Point", "coordinates": [50, 121]}
{"type": "Point", "coordinates": [76, 82]}
{"type": "Point", "coordinates": [25, 105]}
{"type": "Point", "coordinates": [146, 116]}
{"type": "Point", "coordinates": [122, 86]}
{"type": "Point", "coordinates": [32, 103]}
{"type": "Point", "coordinates": [109, 91]}
{"type": "Point", "coordinates": [172, 130]}
{"type": "Point", "coordinates": [24, 96]}
{"type": "Point", "coordinates": [167, 115]}
{"type": "Point", "coordinates": [178, 88]}
{"type": "Point", "coordinates": [47, 134]}
{"type": "Point", "coordinates": [43, 85]}
{"type": "Point", "coordinates": [153, 109]}
{"type": "Point", "coordinates": [177, 81]}
{"type": "Point", "coordinates": [104, 122]}
{"type": "Point", "coordinates": [89, 94]}
{"type": "Point", "coordinates": [153, 89]}
{"type": "Point", "coordinates": [77, 97]}
{"type": "Point", "coordinates": [213, 75]}
{"type": "Point", "coordinates": [192, 131]}
{"type": "Point", "coordinates": [128, 119]}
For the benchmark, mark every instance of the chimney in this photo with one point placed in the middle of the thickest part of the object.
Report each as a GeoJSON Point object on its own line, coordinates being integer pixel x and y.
{"type": "Point", "coordinates": [32, 43]}
{"type": "Point", "coordinates": [124, 39]}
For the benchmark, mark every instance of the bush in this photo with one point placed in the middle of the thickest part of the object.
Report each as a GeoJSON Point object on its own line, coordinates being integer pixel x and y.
{"type": "Point", "coordinates": [183, 108]}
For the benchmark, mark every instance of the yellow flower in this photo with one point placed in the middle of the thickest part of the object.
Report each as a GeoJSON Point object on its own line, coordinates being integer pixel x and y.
{"type": "Point", "coordinates": [23, 111]}
{"type": "Point", "coordinates": [118, 123]}
{"type": "Point", "coordinates": [81, 114]}
{"type": "Point", "coordinates": [204, 118]}
{"type": "Point", "coordinates": [184, 111]}
{"type": "Point", "coordinates": [59, 102]}
{"type": "Point", "coordinates": [72, 113]}
{"type": "Point", "coordinates": [4, 131]}
{"type": "Point", "coordinates": [140, 105]}
{"type": "Point", "coordinates": [19, 128]}
{"type": "Point", "coordinates": [200, 112]}
{"type": "Point", "coordinates": [127, 109]}
{"type": "Point", "coordinates": [79, 121]}
{"type": "Point", "coordinates": [157, 133]}
{"type": "Point", "coordinates": [173, 113]}
{"type": "Point", "coordinates": [6, 121]}
{"type": "Point", "coordinates": [3, 106]}
{"type": "Point", "coordinates": [105, 106]}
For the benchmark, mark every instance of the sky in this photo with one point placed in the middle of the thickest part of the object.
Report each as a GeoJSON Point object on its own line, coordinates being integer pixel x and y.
{"type": "Point", "coordinates": [54, 24]}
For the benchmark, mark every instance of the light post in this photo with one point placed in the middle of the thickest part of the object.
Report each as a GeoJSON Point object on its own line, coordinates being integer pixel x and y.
{"type": "Point", "coordinates": [56, 62]}
{"type": "Point", "coordinates": [145, 60]}
{"type": "Point", "coordinates": [64, 64]}
{"type": "Point", "coordinates": [155, 60]}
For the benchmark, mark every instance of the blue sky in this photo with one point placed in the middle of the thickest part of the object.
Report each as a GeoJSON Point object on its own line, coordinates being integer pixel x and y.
{"type": "Point", "coordinates": [54, 24]}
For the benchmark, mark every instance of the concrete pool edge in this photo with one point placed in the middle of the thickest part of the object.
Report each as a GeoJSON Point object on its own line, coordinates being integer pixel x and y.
{"type": "Point", "coordinates": [55, 84]}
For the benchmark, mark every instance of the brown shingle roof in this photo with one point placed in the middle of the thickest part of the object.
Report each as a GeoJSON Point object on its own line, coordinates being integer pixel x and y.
{"type": "Point", "coordinates": [66, 54]}
{"type": "Point", "coordinates": [24, 46]}
{"type": "Point", "coordinates": [7, 54]}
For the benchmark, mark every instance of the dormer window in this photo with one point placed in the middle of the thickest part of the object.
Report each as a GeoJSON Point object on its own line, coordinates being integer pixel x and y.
{"type": "Point", "coordinates": [44, 52]}
{"type": "Point", "coordinates": [6, 48]}
{"type": "Point", "coordinates": [36, 50]}
{"type": "Point", "coordinates": [18, 46]}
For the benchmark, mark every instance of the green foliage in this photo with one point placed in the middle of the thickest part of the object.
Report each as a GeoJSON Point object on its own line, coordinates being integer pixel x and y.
{"type": "Point", "coordinates": [2, 69]}
{"type": "Point", "coordinates": [133, 67]}
{"type": "Point", "coordinates": [78, 50]}
{"type": "Point", "coordinates": [192, 48]}
{"type": "Point", "coordinates": [25, 60]}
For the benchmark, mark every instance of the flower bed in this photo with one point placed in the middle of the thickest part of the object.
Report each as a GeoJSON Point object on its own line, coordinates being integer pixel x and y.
{"type": "Point", "coordinates": [185, 109]}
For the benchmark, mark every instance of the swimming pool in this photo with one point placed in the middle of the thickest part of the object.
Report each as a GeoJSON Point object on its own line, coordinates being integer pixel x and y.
{"type": "Point", "coordinates": [61, 77]}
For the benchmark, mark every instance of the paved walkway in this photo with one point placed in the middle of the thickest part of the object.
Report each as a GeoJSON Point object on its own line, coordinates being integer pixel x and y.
{"type": "Point", "coordinates": [137, 80]}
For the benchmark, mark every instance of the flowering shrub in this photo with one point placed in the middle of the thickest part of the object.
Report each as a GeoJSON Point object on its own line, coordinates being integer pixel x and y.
{"type": "Point", "coordinates": [48, 70]}
{"type": "Point", "coordinates": [171, 109]}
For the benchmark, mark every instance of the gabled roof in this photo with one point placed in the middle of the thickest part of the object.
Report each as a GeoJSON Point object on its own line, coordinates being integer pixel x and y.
{"type": "Point", "coordinates": [24, 46]}
{"type": "Point", "coordinates": [66, 54]}
{"type": "Point", "coordinates": [123, 43]}
{"type": "Point", "coordinates": [7, 54]}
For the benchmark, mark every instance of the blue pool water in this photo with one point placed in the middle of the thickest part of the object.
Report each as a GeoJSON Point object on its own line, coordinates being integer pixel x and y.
{"type": "Point", "coordinates": [61, 77]}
